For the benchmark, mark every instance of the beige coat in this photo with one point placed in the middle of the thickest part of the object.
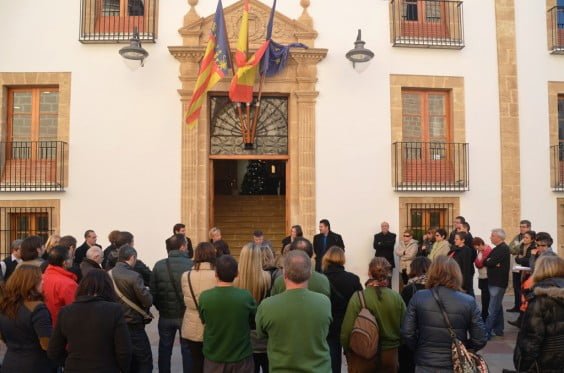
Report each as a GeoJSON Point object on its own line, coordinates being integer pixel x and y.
{"type": "Point", "coordinates": [406, 253]}
{"type": "Point", "coordinates": [202, 280]}
{"type": "Point", "coordinates": [440, 248]}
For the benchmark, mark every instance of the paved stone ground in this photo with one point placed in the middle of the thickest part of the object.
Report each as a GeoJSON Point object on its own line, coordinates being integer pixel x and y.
{"type": "Point", "coordinates": [498, 352]}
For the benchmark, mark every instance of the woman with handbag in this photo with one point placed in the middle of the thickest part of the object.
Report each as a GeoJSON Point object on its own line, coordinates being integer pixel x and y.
{"type": "Point", "coordinates": [194, 282]}
{"type": "Point", "coordinates": [432, 337]}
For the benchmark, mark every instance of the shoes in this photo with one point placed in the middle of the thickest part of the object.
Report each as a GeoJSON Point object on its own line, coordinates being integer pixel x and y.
{"type": "Point", "coordinates": [515, 323]}
{"type": "Point", "coordinates": [513, 310]}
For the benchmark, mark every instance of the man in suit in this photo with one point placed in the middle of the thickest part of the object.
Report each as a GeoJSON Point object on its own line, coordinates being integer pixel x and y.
{"type": "Point", "coordinates": [384, 243]}
{"type": "Point", "coordinates": [324, 240]}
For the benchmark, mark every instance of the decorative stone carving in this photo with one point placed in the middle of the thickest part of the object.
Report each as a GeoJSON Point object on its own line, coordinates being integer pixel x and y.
{"type": "Point", "coordinates": [297, 82]}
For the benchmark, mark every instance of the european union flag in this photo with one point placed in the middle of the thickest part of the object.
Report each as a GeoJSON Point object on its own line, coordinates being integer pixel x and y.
{"type": "Point", "coordinates": [276, 55]}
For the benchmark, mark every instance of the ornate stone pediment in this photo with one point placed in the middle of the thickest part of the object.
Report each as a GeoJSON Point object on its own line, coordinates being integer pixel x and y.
{"type": "Point", "coordinates": [285, 30]}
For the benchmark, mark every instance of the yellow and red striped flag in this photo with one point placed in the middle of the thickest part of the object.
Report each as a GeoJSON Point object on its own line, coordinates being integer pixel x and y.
{"type": "Point", "coordinates": [241, 89]}
{"type": "Point", "coordinates": [214, 66]}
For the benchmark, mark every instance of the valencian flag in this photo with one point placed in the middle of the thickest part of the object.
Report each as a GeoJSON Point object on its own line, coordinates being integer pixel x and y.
{"type": "Point", "coordinates": [241, 89]}
{"type": "Point", "coordinates": [276, 54]}
{"type": "Point", "coordinates": [214, 66]}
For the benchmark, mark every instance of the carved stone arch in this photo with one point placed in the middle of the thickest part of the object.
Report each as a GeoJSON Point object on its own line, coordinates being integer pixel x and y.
{"type": "Point", "coordinates": [298, 81]}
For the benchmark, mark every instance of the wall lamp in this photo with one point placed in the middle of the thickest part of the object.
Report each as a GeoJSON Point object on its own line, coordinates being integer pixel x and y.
{"type": "Point", "coordinates": [359, 54]}
{"type": "Point", "coordinates": [134, 51]}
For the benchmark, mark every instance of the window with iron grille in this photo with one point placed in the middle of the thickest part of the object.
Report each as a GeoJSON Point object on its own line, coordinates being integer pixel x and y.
{"type": "Point", "coordinates": [116, 20]}
{"type": "Point", "coordinates": [31, 157]}
{"type": "Point", "coordinates": [21, 222]}
{"type": "Point", "coordinates": [422, 216]}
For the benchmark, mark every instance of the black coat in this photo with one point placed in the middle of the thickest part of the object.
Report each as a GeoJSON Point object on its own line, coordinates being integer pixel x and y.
{"type": "Point", "coordinates": [333, 239]}
{"type": "Point", "coordinates": [384, 246]}
{"type": "Point", "coordinates": [80, 252]}
{"type": "Point", "coordinates": [96, 334]}
{"type": "Point", "coordinates": [424, 329]}
{"type": "Point", "coordinates": [10, 267]}
{"type": "Point", "coordinates": [540, 343]}
{"type": "Point", "coordinates": [464, 256]}
{"type": "Point", "coordinates": [498, 266]}
{"type": "Point", "coordinates": [167, 297]}
{"type": "Point", "coordinates": [343, 285]}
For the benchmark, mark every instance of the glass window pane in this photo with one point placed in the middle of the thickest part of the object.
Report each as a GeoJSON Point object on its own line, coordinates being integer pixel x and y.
{"type": "Point", "coordinates": [436, 104]}
{"type": "Point", "coordinates": [49, 102]}
{"type": "Point", "coordinates": [411, 103]}
{"type": "Point", "coordinates": [48, 127]}
{"type": "Point", "coordinates": [136, 7]}
{"type": "Point", "coordinates": [433, 11]}
{"type": "Point", "coordinates": [21, 128]}
{"type": "Point", "coordinates": [110, 8]}
{"type": "Point", "coordinates": [22, 102]}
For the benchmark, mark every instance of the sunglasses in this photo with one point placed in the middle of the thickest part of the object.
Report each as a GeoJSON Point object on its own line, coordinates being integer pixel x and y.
{"type": "Point", "coordinates": [407, 235]}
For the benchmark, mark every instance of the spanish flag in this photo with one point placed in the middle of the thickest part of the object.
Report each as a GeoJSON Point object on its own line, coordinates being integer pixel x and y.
{"type": "Point", "coordinates": [214, 66]}
{"type": "Point", "coordinates": [241, 89]}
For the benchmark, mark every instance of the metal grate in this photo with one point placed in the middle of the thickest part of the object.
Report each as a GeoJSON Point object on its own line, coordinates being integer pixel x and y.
{"type": "Point", "coordinates": [32, 166]}
{"type": "Point", "coordinates": [430, 166]}
{"type": "Point", "coordinates": [21, 222]}
{"type": "Point", "coordinates": [114, 21]}
{"type": "Point", "coordinates": [422, 216]}
{"type": "Point", "coordinates": [555, 24]}
{"type": "Point", "coordinates": [427, 23]}
{"type": "Point", "coordinates": [557, 167]}
{"type": "Point", "coordinates": [272, 127]}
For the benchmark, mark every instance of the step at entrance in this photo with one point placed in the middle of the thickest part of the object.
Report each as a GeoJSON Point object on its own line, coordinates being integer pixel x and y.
{"type": "Point", "coordinates": [238, 216]}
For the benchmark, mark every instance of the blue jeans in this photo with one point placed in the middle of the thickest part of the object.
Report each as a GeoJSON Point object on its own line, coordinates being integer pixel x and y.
{"type": "Point", "coordinates": [494, 322]}
{"type": "Point", "coordinates": [167, 332]}
{"type": "Point", "coordinates": [142, 359]}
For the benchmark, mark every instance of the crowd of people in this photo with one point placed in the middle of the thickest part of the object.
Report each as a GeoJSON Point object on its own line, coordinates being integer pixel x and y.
{"type": "Point", "coordinates": [296, 309]}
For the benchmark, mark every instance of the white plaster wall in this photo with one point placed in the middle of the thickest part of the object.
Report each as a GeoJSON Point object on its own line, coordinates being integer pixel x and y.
{"type": "Point", "coordinates": [536, 67]}
{"type": "Point", "coordinates": [125, 126]}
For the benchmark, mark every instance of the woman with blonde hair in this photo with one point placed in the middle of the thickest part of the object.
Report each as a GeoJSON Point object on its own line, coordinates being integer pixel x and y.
{"type": "Point", "coordinates": [194, 283]}
{"type": "Point", "coordinates": [25, 323]}
{"type": "Point", "coordinates": [425, 330]}
{"type": "Point", "coordinates": [388, 308]}
{"type": "Point", "coordinates": [257, 281]}
{"type": "Point", "coordinates": [52, 241]}
{"type": "Point", "coordinates": [343, 286]}
{"type": "Point", "coordinates": [539, 343]}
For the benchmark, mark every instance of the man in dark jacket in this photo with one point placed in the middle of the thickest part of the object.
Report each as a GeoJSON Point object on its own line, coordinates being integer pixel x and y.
{"type": "Point", "coordinates": [90, 238]}
{"type": "Point", "coordinates": [9, 263]}
{"type": "Point", "coordinates": [498, 279]}
{"type": "Point", "coordinates": [384, 243]}
{"type": "Point", "coordinates": [181, 228]}
{"type": "Point", "coordinates": [129, 285]}
{"type": "Point", "coordinates": [126, 238]}
{"type": "Point", "coordinates": [324, 240]}
{"type": "Point", "coordinates": [168, 298]}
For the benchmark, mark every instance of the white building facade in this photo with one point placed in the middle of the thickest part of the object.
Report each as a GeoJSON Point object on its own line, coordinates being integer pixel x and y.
{"type": "Point", "coordinates": [455, 115]}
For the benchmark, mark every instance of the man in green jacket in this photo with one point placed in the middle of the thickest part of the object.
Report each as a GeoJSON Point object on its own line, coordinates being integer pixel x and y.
{"type": "Point", "coordinates": [318, 282]}
{"type": "Point", "coordinates": [296, 322]}
{"type": "Point", "coordinates": [168, 298]}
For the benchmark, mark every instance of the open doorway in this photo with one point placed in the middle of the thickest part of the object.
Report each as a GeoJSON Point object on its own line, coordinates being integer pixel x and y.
{"type": "Point", "coordinates": [249, 195]}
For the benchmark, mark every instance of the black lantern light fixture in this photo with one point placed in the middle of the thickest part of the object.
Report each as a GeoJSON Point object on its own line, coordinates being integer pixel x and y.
{"type": "Point", "coordinates": [134, 51]}
{"type": "Point", "coordinates": [359, 54]}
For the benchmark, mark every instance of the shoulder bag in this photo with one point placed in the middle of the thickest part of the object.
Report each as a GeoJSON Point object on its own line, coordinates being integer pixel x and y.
{"type": "Point", "coordinates": [192, 291]}
{"type": "Point", "coordinates": [463, 361]}
{"type": "Point", "coordinates": [175, 286]}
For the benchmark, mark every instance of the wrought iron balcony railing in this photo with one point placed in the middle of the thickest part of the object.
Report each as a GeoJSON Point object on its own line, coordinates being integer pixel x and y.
{"type": "Point", "coordinates": [32, 166]}
{"type": "Point", "coordinates": [557, 167]}
{"type": "Point", "coordinates": [113, 21]}
{"type": "Point", "coordinates": [555, 24]}
{"type": "Point", "coordinates": [430, 166]}
{"type": "Point", "coordinates": [427, 23]}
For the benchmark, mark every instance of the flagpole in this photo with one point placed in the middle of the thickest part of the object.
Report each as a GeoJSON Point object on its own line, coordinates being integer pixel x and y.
{"type": "Point", "coordinates": [257, 110]}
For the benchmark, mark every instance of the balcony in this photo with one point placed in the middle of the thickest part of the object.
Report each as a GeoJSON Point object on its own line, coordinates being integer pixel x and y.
{"type": "Point", "coordinates": [430, 166]}
{"type": "Point", "coordinates": [555, 24]}
{"type": "Point", "coordinates": [113, 21]}
{"type": "Point", "coordinates": [29, 166]}
{"type": "Point", "coordinates": [427, 24]}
